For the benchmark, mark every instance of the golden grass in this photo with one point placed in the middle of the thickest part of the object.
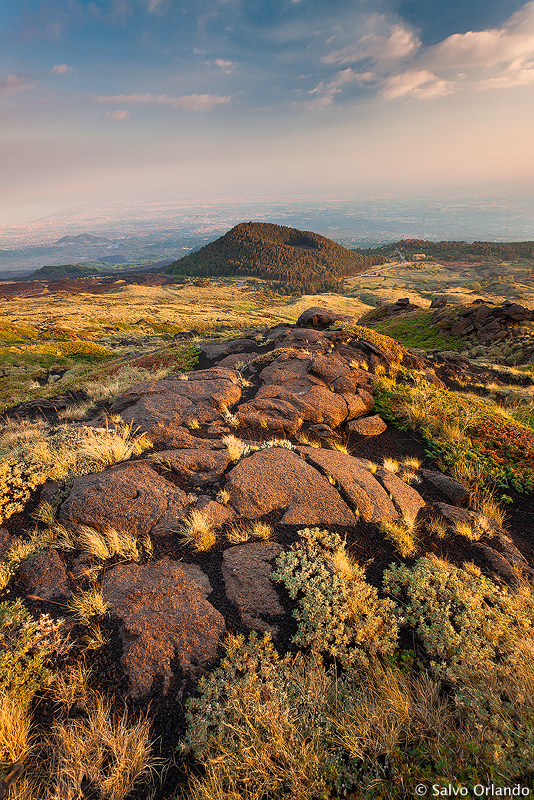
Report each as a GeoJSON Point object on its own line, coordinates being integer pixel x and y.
{"type": "Point", "coordinates": [197, 531]}
{"type": "Point", "coordinates": [236, 447]}
{"type": "Point", "coordinates": [108, 446]}
{"type": "Point", "coordinates": [391, 464]}
{"type": "Point", "coordinates": [403, 534]}
{"type": "Point", "coordinates": [107, 543]}
{"type": "Point", "coordinates": [111, 751]}
{"type": "Point", "coordinates": [71, 687]}
{"type": "Point", "coordinates": [15, 729]}
{"type": "Point", "coordinates": [87, 605]}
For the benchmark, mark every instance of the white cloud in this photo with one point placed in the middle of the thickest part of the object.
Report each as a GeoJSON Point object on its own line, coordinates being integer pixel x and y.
{"type": "Point", "coordinates": [117, 115]}
{"type": "Point", "coordinates": [226, 66]}
{"type": "Point", "coordinates": [61, 69]}
{"type": "Point", "coordinates": [190, 102]}
{"type": "Point", "coordinates": [415, 83]}
{"type": "Point", "coordinates": [326, 90]}
{"type": "Point", "coordinates": [13, 84]}
{"type": "Point", "coordinates": [154, 6]}
{"type": "Point", "coordinates": [487, 59]}
{"type": "Point", "coordinates": [399, 45]}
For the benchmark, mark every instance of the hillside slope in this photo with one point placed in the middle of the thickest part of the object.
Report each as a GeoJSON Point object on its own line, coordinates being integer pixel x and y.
{"type": "Point", "coordinates": [298, 261]}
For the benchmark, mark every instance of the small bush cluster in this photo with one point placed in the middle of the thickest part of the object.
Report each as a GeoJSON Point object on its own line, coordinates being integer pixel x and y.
{"type": "Point", "coordinates": [479, 638]}
{"type": "Point", "coordinates": [338, 613]}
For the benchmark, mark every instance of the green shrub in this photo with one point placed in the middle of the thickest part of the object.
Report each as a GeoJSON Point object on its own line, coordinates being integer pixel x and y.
{"type": "Point", "coordinates": [338, 614]}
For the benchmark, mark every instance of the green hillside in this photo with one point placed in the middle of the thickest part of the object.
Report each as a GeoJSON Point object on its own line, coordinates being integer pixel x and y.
{"type": "Point", "coordinates": [295, 261]}
{"type": "Point", "coordinates": [64, 270]}
{"type": "Point", "coordinates": [456, 251]}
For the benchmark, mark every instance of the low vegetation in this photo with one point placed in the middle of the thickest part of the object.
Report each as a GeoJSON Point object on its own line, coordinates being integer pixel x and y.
{"type": "Point", "coordinates": [465, 435]}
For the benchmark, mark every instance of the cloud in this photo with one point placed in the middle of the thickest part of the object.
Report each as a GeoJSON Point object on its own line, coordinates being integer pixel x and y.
{"type": "Point", "coordinates": [189, 102]}
{"type": "Point", "coordinates": [226, 66]}
{"type": "Point", "coordinates": [327, 90]}
{"type": "Point", "coordinates": [399, 45]}
{"type": "Point", "coordinates": [496, 58]}
{"type": "Point", "coordinates": [154, 6]}
{"type": "Point", "coordinates": [117, 115]}
{"type": "Point", "coordinates": [13, 84]}
{"type": "Point", "coordinates": [416, 83]}
{"type": "Point", "coordinates": [61, 69]}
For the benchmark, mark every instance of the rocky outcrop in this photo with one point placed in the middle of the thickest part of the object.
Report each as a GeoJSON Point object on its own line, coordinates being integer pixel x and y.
{"type": "Point", "coordinates": [277, 479]}
{"type": "Point", "coordinates": [174, 401]}
{"type": "Point", "coordinates": [488, 323]}
{"type": "Point", "coordinates": [164, 615]}
{"type": "Point", "coordinates": [318, 317]}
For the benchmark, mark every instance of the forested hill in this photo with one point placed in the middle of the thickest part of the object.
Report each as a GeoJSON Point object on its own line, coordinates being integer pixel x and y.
{"type": "Point", "coordinates": [297, 262]}
{"type": "Point", "coordinates": [456, 251]}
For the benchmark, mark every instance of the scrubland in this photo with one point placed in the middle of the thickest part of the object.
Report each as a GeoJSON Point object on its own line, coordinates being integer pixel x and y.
{"type": "Point", "coordinates": [424, 674]}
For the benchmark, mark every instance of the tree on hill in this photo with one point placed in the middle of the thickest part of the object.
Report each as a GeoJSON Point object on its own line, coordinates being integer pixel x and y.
{"type": "Point", "coordinates": [456, 251]}
{"type": "Point", "coordinates": [295, 261]}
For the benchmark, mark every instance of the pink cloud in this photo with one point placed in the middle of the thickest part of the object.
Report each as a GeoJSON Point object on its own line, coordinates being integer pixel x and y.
{"type": "Point", "coordinates": [190, 102]}
{"type": "Point", "coordinates": [117, 115]}
{"type": "Point", "coordinates": [13, 84]}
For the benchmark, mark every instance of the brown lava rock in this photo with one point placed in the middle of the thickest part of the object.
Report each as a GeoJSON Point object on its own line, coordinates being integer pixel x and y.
{"type": "Point", "coordinates": [246, 571]}
{"type": "Point", "coordinates": [367, 426]}
{"type": "Point", "coordinates": [164, 614]}
{"type": "Point", "coordinates": [356, 481]}
{"type": "Point", "coordinates": [197, 465]}
{"type": "Point", "coordinates": [44, 575]}
{"type": "Point", "coordinates": [130, 497]}
{"type": "Point", "coordinates": [175, 401]}
{"type": "Point", "coordinates": [279, 479]}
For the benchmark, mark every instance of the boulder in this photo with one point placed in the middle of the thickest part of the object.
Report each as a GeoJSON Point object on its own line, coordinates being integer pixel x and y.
{"type": "Point", "coordinates": [45, 576]}
{"type": "Point", "coordinates": [130, 497]}
{"type": "Point", "coordinates": [452, 489]}
{"type": "Point", "coordinates": [214, 351]}
{"type": "Point", "coordinates": [163, 615]}
{"type": "Point", "coordinates": [357, 483]}
{"type": "Point", "coordinates": [406, 500]}
{"type": "Point", "coordinates": [278, 479]}
{"type": "Point", "coordinates": [173, 401]}
{"type": "Point", "coordinates": [246, 571]}
{"type": "Point", "coordinates": [196, 466]}
{"type": "Point", "coordinates": [319, 317]}
{"type": "Point", "coordinates": [366, 426]}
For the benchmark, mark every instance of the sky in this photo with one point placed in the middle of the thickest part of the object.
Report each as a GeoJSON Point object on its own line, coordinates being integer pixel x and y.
{"type": "Point", "coordinates": [110, 100]}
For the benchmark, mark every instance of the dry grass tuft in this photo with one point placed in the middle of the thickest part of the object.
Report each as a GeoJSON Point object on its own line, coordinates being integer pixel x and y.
{"type": "Point", "coordinates": [108, 446]}
{"type": "Point", "coordinates": [223, 496]}
{"type": "Point", "coordinates": [391, 464]}
{"type": "Point", "coordinates": [108, 543]}
{"type": "Point", "coordinates": [87, 605]}
{"type": "Point", "coordinates": [15, 729]}
{"type": "Point", "coordinates": [403, 534]}
{"type": "Point", "coordinates": [341, 447]}
{"type": "Point", "coordinates": [197, 531]}
{"type": "Point", "coordinates": [110, 751]}
{"type": "Point", "coordinates": [71, 687]}
{"type": "Point", "coordinates": [437, 526]}
{"type": "Point", "coordinates": [236, 447]}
